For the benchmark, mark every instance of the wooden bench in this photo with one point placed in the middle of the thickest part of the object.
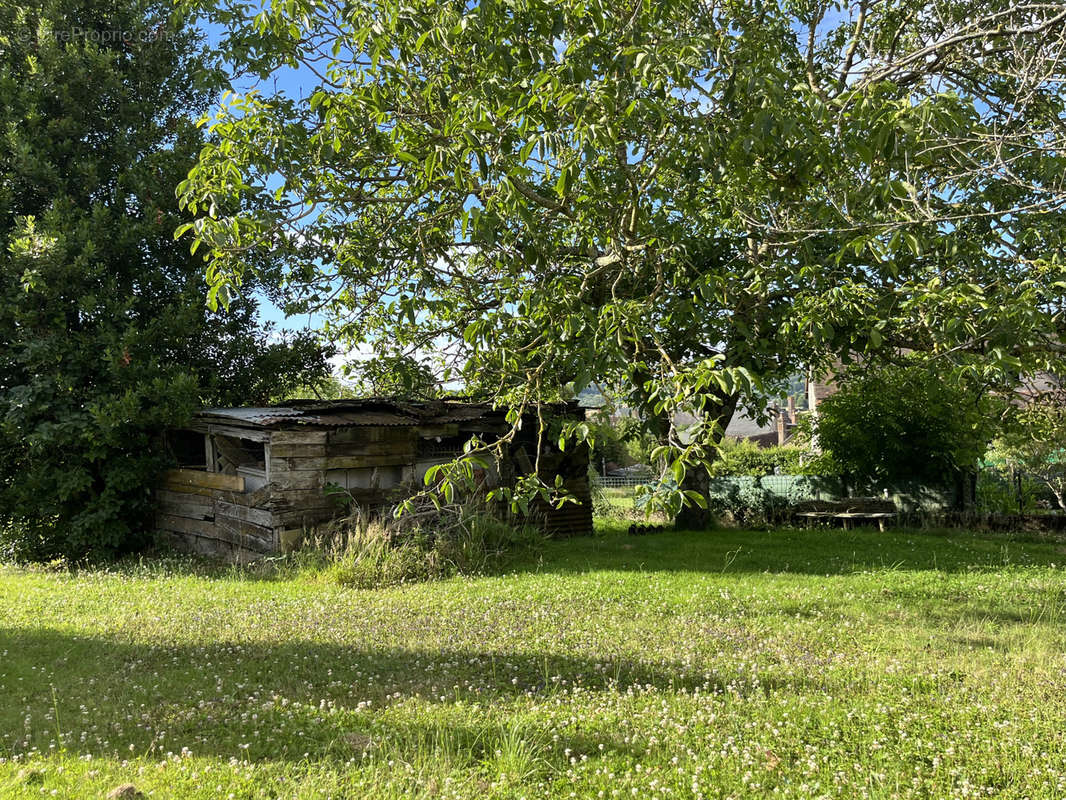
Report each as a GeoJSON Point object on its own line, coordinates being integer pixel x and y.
{"type": "Point", "coordinates": [847, 517]}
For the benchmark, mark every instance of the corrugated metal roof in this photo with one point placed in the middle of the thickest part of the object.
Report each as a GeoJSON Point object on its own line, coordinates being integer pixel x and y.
{"type": "Point", "coordinates": [256, 415]}
{"type": "Point", "coordinates": [373, 412]}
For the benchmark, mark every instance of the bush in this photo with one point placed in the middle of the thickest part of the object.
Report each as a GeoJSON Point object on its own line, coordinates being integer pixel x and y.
{"type": "Point", "coordinates": [745, 457]}
{"type": "Point", "coordinates": [997, 493]}
{"type": "Point", "coordinates": [1032, 443]}
{"type": "Point", "coordinates": [749, 503]}
{"type": "Point", "coordinates": [904, 424]}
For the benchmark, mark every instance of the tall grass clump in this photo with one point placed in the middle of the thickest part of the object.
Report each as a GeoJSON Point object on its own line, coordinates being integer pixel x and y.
{"type": "Point", "coordinates": [425, 544]}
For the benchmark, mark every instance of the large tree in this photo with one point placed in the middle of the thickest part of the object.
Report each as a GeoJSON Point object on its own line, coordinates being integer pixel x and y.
{"type": "Point", "coordinates": [104, 334]}
{"type": "Point", "coordinates": [685, 199]}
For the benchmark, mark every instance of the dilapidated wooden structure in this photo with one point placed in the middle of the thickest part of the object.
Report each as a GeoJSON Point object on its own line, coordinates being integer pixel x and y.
{"type": "Point", "coordinates": [253, 481]}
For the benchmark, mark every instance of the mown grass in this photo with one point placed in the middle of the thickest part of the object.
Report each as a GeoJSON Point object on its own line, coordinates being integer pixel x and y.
{"type": "Point", "coordinates": [721, 664]}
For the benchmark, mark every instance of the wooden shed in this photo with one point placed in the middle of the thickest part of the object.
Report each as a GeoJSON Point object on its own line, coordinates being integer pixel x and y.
{"type": "Point", "coordinates": [252, 481]}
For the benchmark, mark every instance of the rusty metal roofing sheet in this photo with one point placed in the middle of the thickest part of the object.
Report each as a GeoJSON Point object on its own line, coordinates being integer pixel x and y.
{"type": "Point", "coordinates": [346, 413]}
{"type": "Point", "coordinates": [254, 415]}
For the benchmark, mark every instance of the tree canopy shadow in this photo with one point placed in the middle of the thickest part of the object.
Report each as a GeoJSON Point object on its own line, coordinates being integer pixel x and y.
{"type": "Point", "coordinates": [307, 699]}
{"type": "Point", "coordinates": [816, 551]}
{"type": "Point", "coordinates": [803, 551]}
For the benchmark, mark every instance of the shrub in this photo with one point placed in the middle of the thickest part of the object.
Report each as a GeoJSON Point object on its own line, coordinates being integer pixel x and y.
{"type": "Point", "coordinates": [745, 457]}
{"type": "Point", "coordinates": [1033, 443]}
{"type": "Point", "coordinates": [997, 493]}
{"type": "Point", "coordinates": [748, 504]}
{"type": "Point", "coordinates": [904, 424]}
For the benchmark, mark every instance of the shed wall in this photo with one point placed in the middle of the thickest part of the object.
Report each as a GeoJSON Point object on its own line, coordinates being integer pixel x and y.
{"type": "Point", "coordinates": [226, 515]}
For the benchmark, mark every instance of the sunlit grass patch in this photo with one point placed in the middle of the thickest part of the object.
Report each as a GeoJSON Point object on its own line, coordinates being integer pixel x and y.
{"type": "Point", "coordinates": [730, 663]}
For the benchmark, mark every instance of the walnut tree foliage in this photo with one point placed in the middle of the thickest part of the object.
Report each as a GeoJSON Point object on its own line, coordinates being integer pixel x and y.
{"type": "Point", "coordinates": [104, 334]}
{"type": "Point", "coordinates": [686, 199]}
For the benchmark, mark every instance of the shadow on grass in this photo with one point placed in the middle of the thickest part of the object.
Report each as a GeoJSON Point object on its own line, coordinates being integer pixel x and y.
{"type": "Point", "coordinates": [817, 551]}
{"type": "Point", "coordinates": [814, 551]}
{"type": "Point", "coordinates": [311, 700]}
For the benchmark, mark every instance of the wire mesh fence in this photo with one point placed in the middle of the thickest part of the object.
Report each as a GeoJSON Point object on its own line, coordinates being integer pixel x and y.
{"type": "Point", "coordinates": [618, 481]}
{"type": "Point", "coordinates": [788, 490]}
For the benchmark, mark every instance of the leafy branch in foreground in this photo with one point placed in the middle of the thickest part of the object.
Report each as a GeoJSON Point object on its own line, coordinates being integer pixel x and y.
{"type": "Point", "coordinates": [685, 200]}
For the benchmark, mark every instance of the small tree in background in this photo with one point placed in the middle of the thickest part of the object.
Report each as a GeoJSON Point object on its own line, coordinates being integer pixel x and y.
{"type": "Point", "coordinates": [105, 338]}
{"type": "Point", "coordinates": [1033, 443]}
{"type": "Point", "coordinates": [904, 424]}
{"type": "Point", "coordinates": [393, 375]}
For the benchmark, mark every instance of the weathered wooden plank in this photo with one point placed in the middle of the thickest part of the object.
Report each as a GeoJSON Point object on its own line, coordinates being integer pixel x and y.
{"type": "Point", "coordinates": [298, 437]}
{"type": "Point", "coordinates": [191, 510]}
{"type": "Point", "coordinates": [348, 456]}
{"type": "Point", "coordinates": [281, 450]}
{"type": "Point", "coordinates": [303, 481]}
{"type": "Point", "coordinates": [181, 488]}
{"type": "Point", "coordinates": [210, 480]}
{"type": "Point", "coordinates": [239, 527]}
{"type": "Point", "coordinates": [236, 541]}
{"type": "Point", "coordinates": [358, 462]}
{"type": "Point", "coordinates": [372, 435]}
{"type": "Point", "coordinates": [176, 524]}
{"type": "Point", "coordinates": [254, 499]}
{"type": "Point", "coordinates": [233, 532]}
{"type": "Point", "coordinates": [224, 546]}
{"type": "Point", "coordinates": [258, 516]}
{"type": "Point", "coordinates": [433, 431]}
{"type": "Point", "coordinates": [283, 495]}
{"type": "Point", "coordinates": [281, 515]}
{"type": "Point", "coordinates": [357, 435]}
{"type": "Point", "coordinates": [185, 498]}
{"type": "Point", "coordinates": [370, 448]}
{"type": "Point", "coordinates": [236, 432]}
{"type": "Point", "coordinates": [279, 465]}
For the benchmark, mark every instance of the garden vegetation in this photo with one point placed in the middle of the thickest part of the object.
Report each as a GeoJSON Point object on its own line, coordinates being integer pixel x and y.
{"type": "Point", "coordinates": [824, 663]}
{"type": "Point", "coordinates": [105, 339]}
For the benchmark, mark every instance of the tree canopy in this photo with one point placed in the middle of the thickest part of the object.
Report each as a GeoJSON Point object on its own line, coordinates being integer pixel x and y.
{"type": "Point", "coordinates": [105, 338]}
{"type": "Point", "coordinates": [687, 200]}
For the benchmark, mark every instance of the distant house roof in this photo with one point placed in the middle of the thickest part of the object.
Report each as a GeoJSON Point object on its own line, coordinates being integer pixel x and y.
{"type": "Point", "coordinates": [741, 426]}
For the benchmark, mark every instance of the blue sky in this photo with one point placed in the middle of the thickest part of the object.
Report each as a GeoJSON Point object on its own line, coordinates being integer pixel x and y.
{"type": "Point", "coordinates": [295, 83]}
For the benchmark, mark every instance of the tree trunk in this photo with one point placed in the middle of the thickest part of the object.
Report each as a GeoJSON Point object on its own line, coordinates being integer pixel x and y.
{"type": "Point", "coordinates": [692, 517]}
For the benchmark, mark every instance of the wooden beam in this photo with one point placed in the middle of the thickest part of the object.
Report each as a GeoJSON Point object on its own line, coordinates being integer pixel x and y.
{"type": "Point", "coordinates": [207, 480]}
{"type": "Point", "coordinates": [185, 505]}
{"type": "Point", "coordinates": [257, 516]}
{"type": "Point", "coordinates": [235, 432]}
{"type": "Point", "coordinates": [238, 527]}
{"type": "Point", "coordinates": [282, 450]}
{"type": "Point", "coordinates": [175, 524]}
{"type": "Point", "coordinates": [358, 462]}
{"type": "Point", "coordinates": [298, 437]}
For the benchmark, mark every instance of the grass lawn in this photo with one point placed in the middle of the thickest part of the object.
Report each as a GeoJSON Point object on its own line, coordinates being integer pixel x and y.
{"type": "Point", "coordinates": [799, 664]}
